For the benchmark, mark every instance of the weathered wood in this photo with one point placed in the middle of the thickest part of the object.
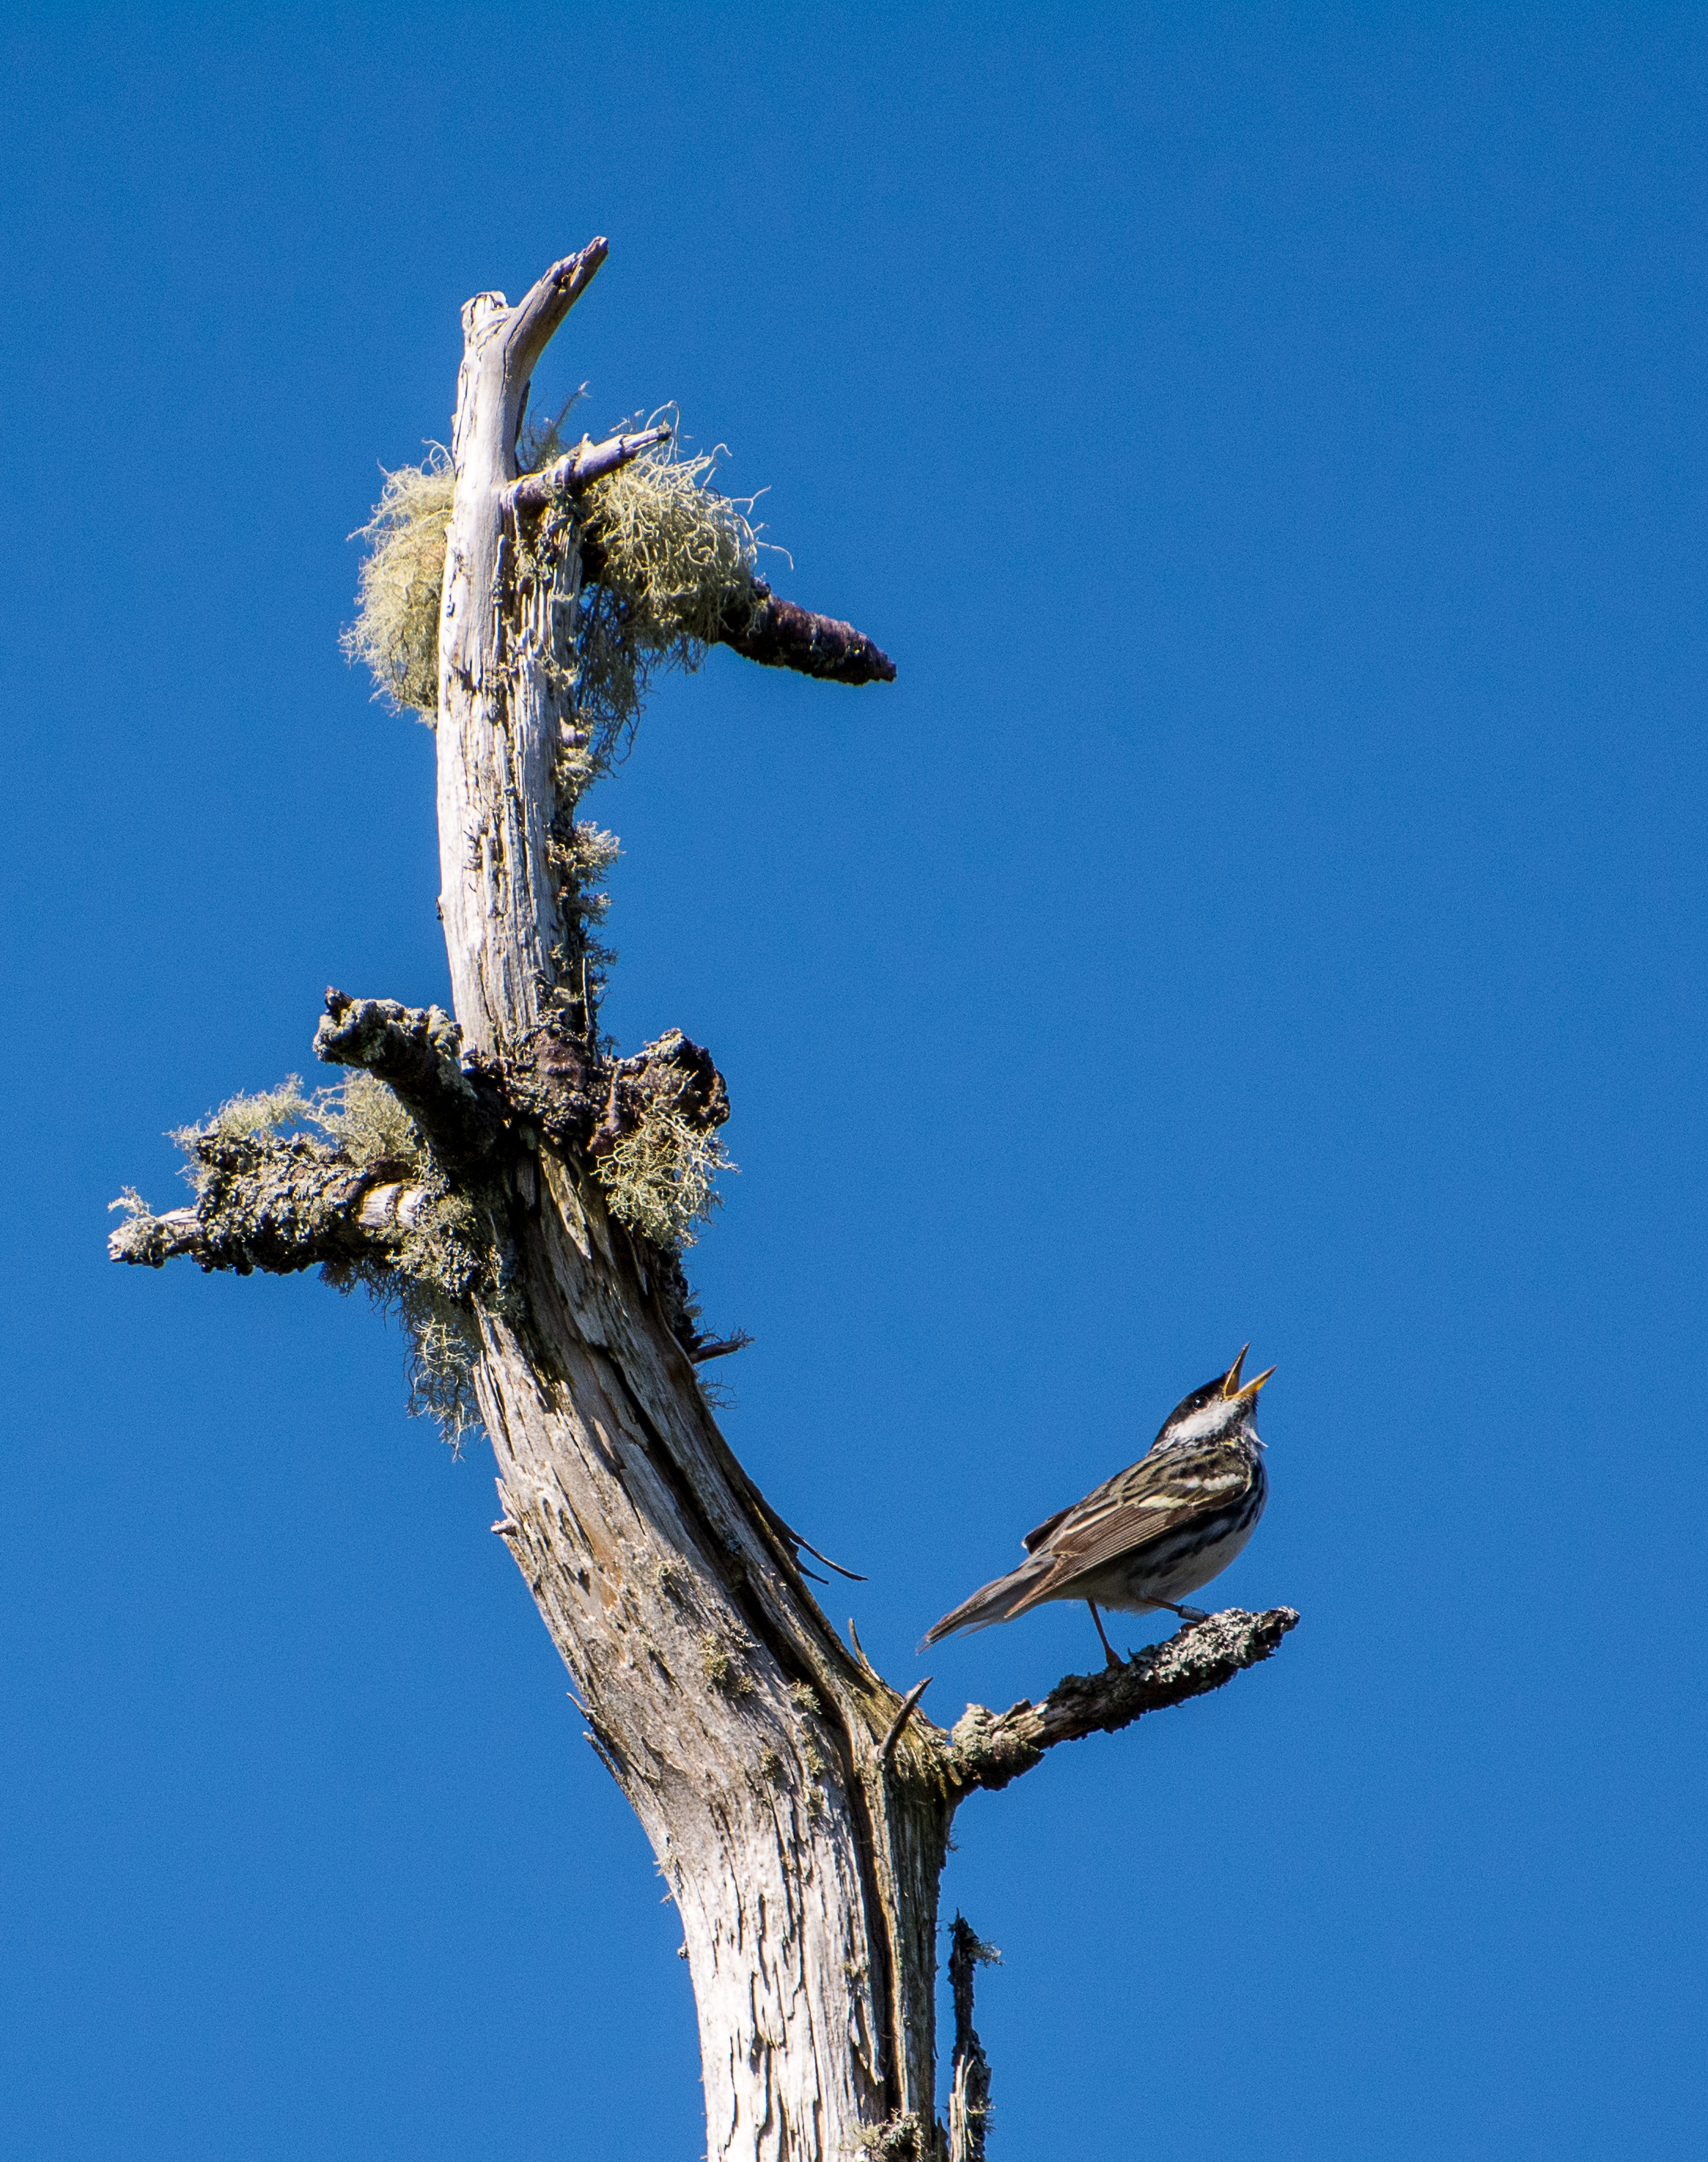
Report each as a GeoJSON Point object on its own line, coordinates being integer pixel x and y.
{"type": "Point", "coordinates": [989, 1751]}
{"type": "Point", "coordinates": [743, 1733]}
{"type": "Point", "coordinates": [500, 708]}
{"type": "Point", "coordinates": [579, 468]}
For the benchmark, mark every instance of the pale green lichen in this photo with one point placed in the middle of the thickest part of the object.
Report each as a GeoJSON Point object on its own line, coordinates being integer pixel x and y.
{"type": "Point", "coordinates": [723, 1668]}
{"type": "Point", "coordinates": [396, 630]}
{"type": "Point", "coordinates": [908, 2138]}
{"type": "Point", "coordinates": [262, 1176]}
{"type": "Point", "coordinates": [369, 1119]}
{"type": "Point", "coordinates": [660, 1178]}
{"type": "Point", "coordinates": [678, 561]}
{"type": "Point", "coordinates": [270, 1111]}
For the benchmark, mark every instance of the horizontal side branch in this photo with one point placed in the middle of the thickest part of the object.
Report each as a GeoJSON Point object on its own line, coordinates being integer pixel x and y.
{"type": "Point", "coordinates": [580, 468]}
{"type": "Point", "coordinates": [762, 627]}
{"type": "Point", "coordinates": [778, 634]}
{"type": "Point", "coordinates": [279, 1206]}
{"type": "Point", "coordinates": [988, 1750]}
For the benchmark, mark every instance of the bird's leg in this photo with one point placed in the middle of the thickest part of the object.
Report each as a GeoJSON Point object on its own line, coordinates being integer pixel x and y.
{"type": "Point", "coordinates": [1186, 1613]}
{"type": "Point", "coordinates": [1108, 1650]}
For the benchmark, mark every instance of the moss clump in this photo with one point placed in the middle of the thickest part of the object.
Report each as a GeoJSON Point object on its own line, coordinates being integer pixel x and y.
{"type": "Point", "coordinates": [396, 630]}
{"type": "Point", "coordinates": [675, 561]}
{"type": "Point", "coordinates": [370, 1122]}
{"type": "Point", "coordinates": [443, 1344]}
{"type": "Point", "coordinates": [239, 1117]}
{"type": "Point", "coordinates": [660, 1179]}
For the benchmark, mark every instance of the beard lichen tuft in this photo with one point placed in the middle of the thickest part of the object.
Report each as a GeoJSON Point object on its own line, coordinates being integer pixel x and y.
{"type": "Point", "coordinates": [396, 630]}
{"type": "Point", "coordinates": [454, 1250]}
{"type": "Point", "coordinates": [443, 1342]}
{"type": "Point", "coordinates": [660, 1177]}
{"type": "Point", "coordinates": [270, 1111]}
{"type": "Point", "coordinates": [673, 562]}
{"type": "Point", "coordinates": [368, 1118]}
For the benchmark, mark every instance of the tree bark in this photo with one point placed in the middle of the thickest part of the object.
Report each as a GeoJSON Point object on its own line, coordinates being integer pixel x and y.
{"type": "Point", "coordinates": [799, 1806]}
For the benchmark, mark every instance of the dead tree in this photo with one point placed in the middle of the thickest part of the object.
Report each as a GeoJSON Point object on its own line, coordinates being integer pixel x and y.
{"type": "Point", "coordinates": [798, 1804]}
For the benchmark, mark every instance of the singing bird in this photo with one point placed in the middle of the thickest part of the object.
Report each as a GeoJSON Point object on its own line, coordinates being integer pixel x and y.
{"type": "Point", "coordinates": [1158, 1530]}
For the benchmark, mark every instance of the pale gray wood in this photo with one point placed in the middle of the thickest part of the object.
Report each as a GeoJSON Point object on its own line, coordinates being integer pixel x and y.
{"type": "Point", "coordinates": [743, 1733]}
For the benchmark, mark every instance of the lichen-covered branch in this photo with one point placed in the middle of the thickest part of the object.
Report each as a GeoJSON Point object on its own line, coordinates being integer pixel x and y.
{"type": "Point", "coordinates": [580, 468]}
{"type": "Point", "coordinates": [988, 1750]}
{"type": "Point", "coordinates": [459, 1142]}
{"type": "Point", "coordinates": [279, 1206]}
{"type": "Point", "coordinates": [416, 1051]}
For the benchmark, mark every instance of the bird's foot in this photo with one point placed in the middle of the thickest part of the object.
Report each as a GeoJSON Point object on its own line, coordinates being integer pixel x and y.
{"type": "Point", "coordinates": [1109, 1653]}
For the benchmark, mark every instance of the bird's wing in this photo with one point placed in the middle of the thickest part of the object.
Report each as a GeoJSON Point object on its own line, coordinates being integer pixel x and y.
{"type": "Point", "coordinates": [1153, 1496]}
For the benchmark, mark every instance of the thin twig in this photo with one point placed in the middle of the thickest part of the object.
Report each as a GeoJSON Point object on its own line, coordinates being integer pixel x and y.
{"type": "Point", "coordinates": [886, 1748]}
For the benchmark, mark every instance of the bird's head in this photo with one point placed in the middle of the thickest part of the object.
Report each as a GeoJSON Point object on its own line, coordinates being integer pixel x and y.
{"type": "Point", "coordinates": [1217, 1412]}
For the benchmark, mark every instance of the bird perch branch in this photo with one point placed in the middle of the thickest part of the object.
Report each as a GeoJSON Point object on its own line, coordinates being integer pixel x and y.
{"type": "Point", "coordinates": [988, 1750]}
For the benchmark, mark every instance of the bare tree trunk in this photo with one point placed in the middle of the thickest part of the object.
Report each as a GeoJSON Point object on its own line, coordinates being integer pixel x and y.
{"type": "Point", "coordinates": [798, 1805]}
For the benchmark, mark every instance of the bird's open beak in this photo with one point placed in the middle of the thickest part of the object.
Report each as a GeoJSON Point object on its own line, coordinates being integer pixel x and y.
{"type": "Point", "coordinates": [1231, 1388]}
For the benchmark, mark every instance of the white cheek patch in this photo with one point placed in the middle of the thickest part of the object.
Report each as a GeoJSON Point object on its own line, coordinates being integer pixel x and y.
{"type": "Point", "coordinates": [1210, 1419]}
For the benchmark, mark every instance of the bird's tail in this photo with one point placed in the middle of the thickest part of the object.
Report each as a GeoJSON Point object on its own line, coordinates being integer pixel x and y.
{"type": "Point", "coordinates": [997, 1601]}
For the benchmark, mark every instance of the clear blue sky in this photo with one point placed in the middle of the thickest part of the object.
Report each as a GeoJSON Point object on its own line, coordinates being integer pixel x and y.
{"type": "Point", "coordinates": [1269, 905]}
